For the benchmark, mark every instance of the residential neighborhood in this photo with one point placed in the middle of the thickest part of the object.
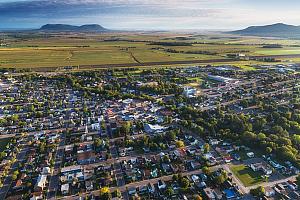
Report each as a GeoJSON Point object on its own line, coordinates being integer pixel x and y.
{"type": "Point", "coordinates": [198, 132]}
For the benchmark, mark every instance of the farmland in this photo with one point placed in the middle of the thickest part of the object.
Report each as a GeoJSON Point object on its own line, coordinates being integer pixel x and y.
{"type": "Point", "coordinates": [44, 51]}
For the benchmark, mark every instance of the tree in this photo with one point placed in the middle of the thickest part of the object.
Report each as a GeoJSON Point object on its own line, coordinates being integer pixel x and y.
{"type": "Point", "coordinates": [206, 170]}
{"type": "Point", "coordinates": [197, 197]}
{"type": "Point", "coordinates": [14, 177]}
{"type": "Point", "coordinates": [175, 177]}
{"type": "Point", "coordinates": [221, 178]}
{"type": "Point", "coordinates": [269, 150]}
{"type": "Point", "coordinates": [169, 191]}
{"type": "Point", "coordinates": [261, 136]}
{"type": "Point", "coordinates": [184, 183]}
{"type": "Point", "coordinates": [126, 127]}
{"type": "Point", "coordinates": [258, 192]}
{"type": "Point", "coordinates": [98, 142]}
{"type": "Point", "coordinates": [118, 193]}
{"type": "Point", "coordinates": [171, 135]}
{"type": "Point", "coordinates": [179, 144]}
{"type": "Point", "coordinates": [206, 148]}
{"type": "Point", "coordinates": [298, 180]}
{"type": "Point", "coordinates": [105, 193]}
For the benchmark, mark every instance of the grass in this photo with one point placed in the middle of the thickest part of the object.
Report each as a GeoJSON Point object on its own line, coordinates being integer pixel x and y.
{"type": "Point", "coordinates": [3, 143]}
{"type": "Point", "coordinates": [288, 51]}
{"type": "Point", "coordinates": [246, 175]}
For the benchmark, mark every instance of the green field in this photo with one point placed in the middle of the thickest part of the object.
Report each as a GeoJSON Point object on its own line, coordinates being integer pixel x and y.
{"type": "Point", "coordinates": [246, 175]}
{"type": "Point", "coordinates": [287, 51]}
{"type": "Point", "coordinates": [38, 51]}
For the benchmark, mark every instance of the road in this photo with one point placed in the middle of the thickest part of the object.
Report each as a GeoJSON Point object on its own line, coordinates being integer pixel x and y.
{"type": "Point", "coordinates": [54, 177]}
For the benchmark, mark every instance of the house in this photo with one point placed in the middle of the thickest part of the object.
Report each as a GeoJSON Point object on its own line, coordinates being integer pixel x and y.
{"type": "Point", "coordinates": [261, 167]}
{"type": "Point", "coordinates": [41, 183]}
{"type": "Point", "coordinates": [269, 192]}
{"type": "Point", "coordinates": [132, 191]}
{"type": "Point", "coordinates": [221, 79]}
{"type": "Point", "coordinates": [150, 129]}
{"type": "Point", "coordinates": [86, 157]}
{"type": "Point", "coordinates": [209, 193]}
{"type": "Point", "coordinates": [89, 185]}
{"type": "Point", "coordinates": [161, 185]}
{"type": "Point", "coordinates": [65, 189]}
{"type": "Point", "coordinates": [250, 154]}
{"type": "Point", "coordinates": [46, 171]}
{"type": "Point", "coordinates": [236, 156]}
{"type": "Point", "coordinates": [68, 173]}
{"type": "Point", "coordinates": [189, 92]}
{"type": "Point", "coordinates": [214, 142]}
{"type": "Point", "coordinates": [195, 165]}
{"type": "Point", "coordinates": [228, 159]}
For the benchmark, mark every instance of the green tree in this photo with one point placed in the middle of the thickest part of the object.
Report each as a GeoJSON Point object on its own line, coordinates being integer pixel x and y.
{"type": "Point", "coordinates": [206, 148]}
{"type": "Point", "coordinates": [179, 144]}
{"type": "Point", "coordinates": [184, 183]}
{"type": "Point", "coordinates": [206, 170]}
{"type": "Point", "coordinates": [298, 180]}
{"type": "Point", "coordinates": [258, 192]}
{"type": "Point", "coordinates": [169, 191]}
{"type": "Point", "coordinates": [197, 197]}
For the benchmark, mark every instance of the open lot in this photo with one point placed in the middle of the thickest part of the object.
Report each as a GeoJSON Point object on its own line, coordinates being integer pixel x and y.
{"type": "Point", "coordinates": [247, 176]}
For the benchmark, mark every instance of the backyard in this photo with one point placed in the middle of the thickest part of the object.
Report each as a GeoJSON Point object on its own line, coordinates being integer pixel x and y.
{"type": "Point", "coordinates": [246, 175]}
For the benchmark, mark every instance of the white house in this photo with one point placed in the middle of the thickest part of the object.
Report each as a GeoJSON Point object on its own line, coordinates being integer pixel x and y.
{"type": "Point", "coordinates": [41, 182]}
{"type": "Point", "coordinates": [149, 128]}
{"type": "Point", "coordinates": [65, 189]}
{"type": "Point", "coordinates": [189, 92]}
{"type": "Point", "coordinates": [261, 167]}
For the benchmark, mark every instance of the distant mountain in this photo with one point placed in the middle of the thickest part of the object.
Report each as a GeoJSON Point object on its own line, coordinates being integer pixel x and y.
{"type": "Point", "coordinates": [71, 28]}
{"type": "Point", "coordinates": [273, 30]}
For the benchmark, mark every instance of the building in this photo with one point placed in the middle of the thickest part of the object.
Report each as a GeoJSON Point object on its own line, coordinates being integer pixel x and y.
{"type": "Point", "coordinates": [261, 167]}
{"type": "Point", "coordinates": [209, 193]}
{"type": "Point", "coordinates": [189, 92]}
{"type": "Point", "coordinates": [65, 189]}
{"type": "Point", "coordinates": [150, 129]}
{"type": "Point", "coordinates": [41, 183]}
{"type": "Point", "coordinates": [269, 192]}
{"type": "Point", "coordinates": [221, 79]}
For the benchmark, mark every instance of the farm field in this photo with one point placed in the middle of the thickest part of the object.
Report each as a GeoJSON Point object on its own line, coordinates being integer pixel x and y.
{"type": "Point", "coordinates": [246, 175]}
{"type": "Point", "coordinates": [132, 49]}
{"type": "Point", "coordinates": [279, 51]}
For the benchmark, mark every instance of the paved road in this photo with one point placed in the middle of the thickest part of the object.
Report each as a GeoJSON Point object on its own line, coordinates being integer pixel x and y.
{"type": "Point", "coordinates": [54, 178]}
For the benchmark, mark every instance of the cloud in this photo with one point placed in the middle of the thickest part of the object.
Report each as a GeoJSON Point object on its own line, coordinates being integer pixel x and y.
{"type": "Point", "coordinates": [147, 14]}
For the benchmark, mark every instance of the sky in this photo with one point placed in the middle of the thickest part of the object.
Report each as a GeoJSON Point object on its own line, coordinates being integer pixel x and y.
{"type": "Point", "coordinates": [149, 14]}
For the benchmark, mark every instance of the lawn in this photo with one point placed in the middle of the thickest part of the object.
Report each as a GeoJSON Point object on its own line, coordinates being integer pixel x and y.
{"type": "Point", "coordinates": [246, 175]}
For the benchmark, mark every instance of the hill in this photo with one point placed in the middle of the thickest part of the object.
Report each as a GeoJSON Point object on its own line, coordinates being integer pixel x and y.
{"type": "Point", "coordinates": [273, 30]}
{"type": "Point", "coordinates": [72, 28]}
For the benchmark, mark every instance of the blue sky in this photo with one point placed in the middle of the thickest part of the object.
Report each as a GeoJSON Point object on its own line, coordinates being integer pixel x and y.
{"type": "Point", "coordinates": [149, 14]}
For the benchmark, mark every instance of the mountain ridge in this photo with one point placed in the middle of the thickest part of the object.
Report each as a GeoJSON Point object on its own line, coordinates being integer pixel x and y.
{"type": "Point", "coordinates": [72, 28]}
{"type": "Point", "coordinates": [272, 30]}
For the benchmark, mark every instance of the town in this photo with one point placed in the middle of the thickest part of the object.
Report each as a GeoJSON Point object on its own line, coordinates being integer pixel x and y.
{"type": "Point", "coordinates": [197, 132]}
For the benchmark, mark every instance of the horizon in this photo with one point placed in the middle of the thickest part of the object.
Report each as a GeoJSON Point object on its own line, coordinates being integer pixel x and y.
{"type": "Point", "coordinates": [162, 30]}
{"type": "Point", "coordinates": [147, 15]}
